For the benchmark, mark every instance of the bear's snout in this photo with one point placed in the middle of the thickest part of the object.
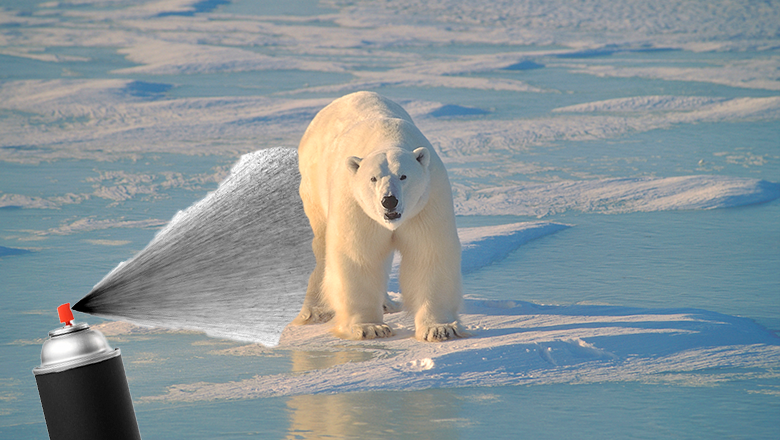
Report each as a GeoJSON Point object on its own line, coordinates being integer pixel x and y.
{"type": "Point", "coordinates": [389, 202]}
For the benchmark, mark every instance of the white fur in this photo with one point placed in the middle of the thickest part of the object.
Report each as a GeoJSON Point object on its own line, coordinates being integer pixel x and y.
{"type": "Point", "coordinates": [358, 150]}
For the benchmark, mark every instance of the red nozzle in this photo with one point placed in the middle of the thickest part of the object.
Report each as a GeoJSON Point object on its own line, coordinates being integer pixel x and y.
{"type": "Point", "coordinates": [66, 315]}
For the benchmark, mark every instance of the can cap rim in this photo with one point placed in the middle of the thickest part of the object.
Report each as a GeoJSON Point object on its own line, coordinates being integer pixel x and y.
{"type": "Point", "coordinates": [67, 365]}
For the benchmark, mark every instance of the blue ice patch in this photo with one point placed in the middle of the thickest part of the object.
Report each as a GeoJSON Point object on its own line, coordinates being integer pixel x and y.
{"type": "Point", "coordinates": [197, 8]}
{"type": "Point", "coordinates": [525, 65]}
{"type": "Point", "coordinates": [6, 251]}
{"type": "Point", "coordinates": [143, 89]}
{"type": "Point", "coordinates": [457, 110]}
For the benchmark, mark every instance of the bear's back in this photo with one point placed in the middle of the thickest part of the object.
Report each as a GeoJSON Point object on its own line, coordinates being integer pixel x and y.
{"type": "Point", "coordinates": [342, 114]}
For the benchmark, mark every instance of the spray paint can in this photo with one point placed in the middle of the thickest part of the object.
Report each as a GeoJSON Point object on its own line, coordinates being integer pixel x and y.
{"type": "Point", "coordinates": [82, 384]}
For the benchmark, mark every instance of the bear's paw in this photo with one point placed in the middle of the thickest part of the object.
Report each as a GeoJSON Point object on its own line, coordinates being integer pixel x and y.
{"type": "Point", "coordinates": [440, 332]}
{"type": "Point", "coordinates": [368, 331]}
{"type": "Point", "coordinates": [313, 315]}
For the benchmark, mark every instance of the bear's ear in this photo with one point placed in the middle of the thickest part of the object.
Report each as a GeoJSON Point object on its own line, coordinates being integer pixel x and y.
{"type": "Point", "coordinates": [353, 163]}
{"type": "Point", "coordinates": [423, 156]}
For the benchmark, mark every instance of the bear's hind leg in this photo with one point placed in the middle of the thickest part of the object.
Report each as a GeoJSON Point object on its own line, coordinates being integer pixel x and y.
{"type": "Point", "coordinates": [315, 308]}
{"type": "Point", "coordinates": [389, 305]}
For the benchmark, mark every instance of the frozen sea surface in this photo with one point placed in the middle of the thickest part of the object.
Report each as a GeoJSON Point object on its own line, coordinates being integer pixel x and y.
{"type": "Point", "coordinates": [644, 135]}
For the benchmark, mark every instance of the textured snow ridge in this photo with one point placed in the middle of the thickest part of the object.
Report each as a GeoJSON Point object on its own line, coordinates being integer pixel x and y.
{"type": "Point", "coordinates": [109, 118]}
{"type": "Point", "coordinates": [615, 196]}
{"type": "Point", "coordinates": [167, 58]}
{"type": "Point", "coordinates": [643, 103]}
{"type": "Point", "coordinates": [694, 25]}
{"type": "Point", "coordinates": [749, 74]}
{"type": "Point", "coordinates": [486, 245]}
{"type": "Point", "coordinates": [114, 118]}
{"type": "Point", "coordinates": [460, 140]}
{"type": "Point", "coordinates": [516, 343]}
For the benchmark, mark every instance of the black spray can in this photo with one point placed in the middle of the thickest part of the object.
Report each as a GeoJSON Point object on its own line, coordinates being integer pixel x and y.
{"type": "Point", "coordinates": [82, 384]}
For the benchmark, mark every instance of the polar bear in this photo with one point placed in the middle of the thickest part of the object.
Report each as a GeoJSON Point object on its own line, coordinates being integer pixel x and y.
{"type": "Point", "coordinates": [371, 184]}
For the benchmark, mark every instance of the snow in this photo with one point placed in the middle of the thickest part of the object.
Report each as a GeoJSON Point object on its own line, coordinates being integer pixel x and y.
{"type": "Point", "coordinates": [513, 343]}
{"type": "Point", "coordinates": [751, 74]}
{"type": "Point", "coordinates": [461, 140]}
{"type": "Point", "coordinates": [695, 25]}
{"type": "Point", "coordinates": [373, 80]}
{"type": "Point", "coordinates": [488, 244]}
{"type": "Point", "coordinates": [91, 224]}
{"type": "Point", "coordinates": [643, 103]}
{"type": "Point", "coordinates": [167, 58]}
{"type": "Point", "coordinates": [100, 119]}
{"type": "Point", "coordinates": [109, 118]}
{"type": "Point", "coordinates": [614, 196]}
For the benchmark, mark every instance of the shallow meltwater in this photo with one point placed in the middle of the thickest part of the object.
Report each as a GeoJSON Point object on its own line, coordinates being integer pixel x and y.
{"type": "Point", "coordinates": [719, 260]}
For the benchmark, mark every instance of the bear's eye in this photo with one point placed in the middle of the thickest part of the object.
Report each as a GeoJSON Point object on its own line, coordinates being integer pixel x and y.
{"type": "Point", "coordinates": [373, 179]}
{"type": "Point", "coordinates": [403, 177]}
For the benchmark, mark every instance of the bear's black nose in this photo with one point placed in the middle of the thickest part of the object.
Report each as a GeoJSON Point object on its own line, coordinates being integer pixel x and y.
{"type": "Point", "coordinates": [389, 202]}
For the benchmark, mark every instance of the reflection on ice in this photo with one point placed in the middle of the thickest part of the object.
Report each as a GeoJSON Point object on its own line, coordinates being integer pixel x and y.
{"type": "Point", "coordinates": [363, 415]}
{"type": "Point", "coordinates": [303, 361]}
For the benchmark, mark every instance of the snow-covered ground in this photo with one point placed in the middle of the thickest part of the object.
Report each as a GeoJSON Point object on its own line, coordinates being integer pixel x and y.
{"type": "Point", "coordinates": [616, 169]}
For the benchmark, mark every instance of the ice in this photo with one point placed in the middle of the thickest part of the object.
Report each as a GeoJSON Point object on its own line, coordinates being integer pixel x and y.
{"type": "Point", "coordinates": [524, 65]}
{"type": "Point", "coordinates": [451, 110]}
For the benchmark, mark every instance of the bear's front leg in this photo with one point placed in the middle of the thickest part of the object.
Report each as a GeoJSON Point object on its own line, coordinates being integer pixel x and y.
{"type": "Point", "coordinates": [430, 277]}
{"type": "Point", "coordinates": [355, 284]}
{"type": "Point", "coordinates": [357, 299]}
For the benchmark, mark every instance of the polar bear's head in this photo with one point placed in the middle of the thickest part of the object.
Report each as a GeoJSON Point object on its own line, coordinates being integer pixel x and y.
{"type": "Point", "coordinates": [391, 185]}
